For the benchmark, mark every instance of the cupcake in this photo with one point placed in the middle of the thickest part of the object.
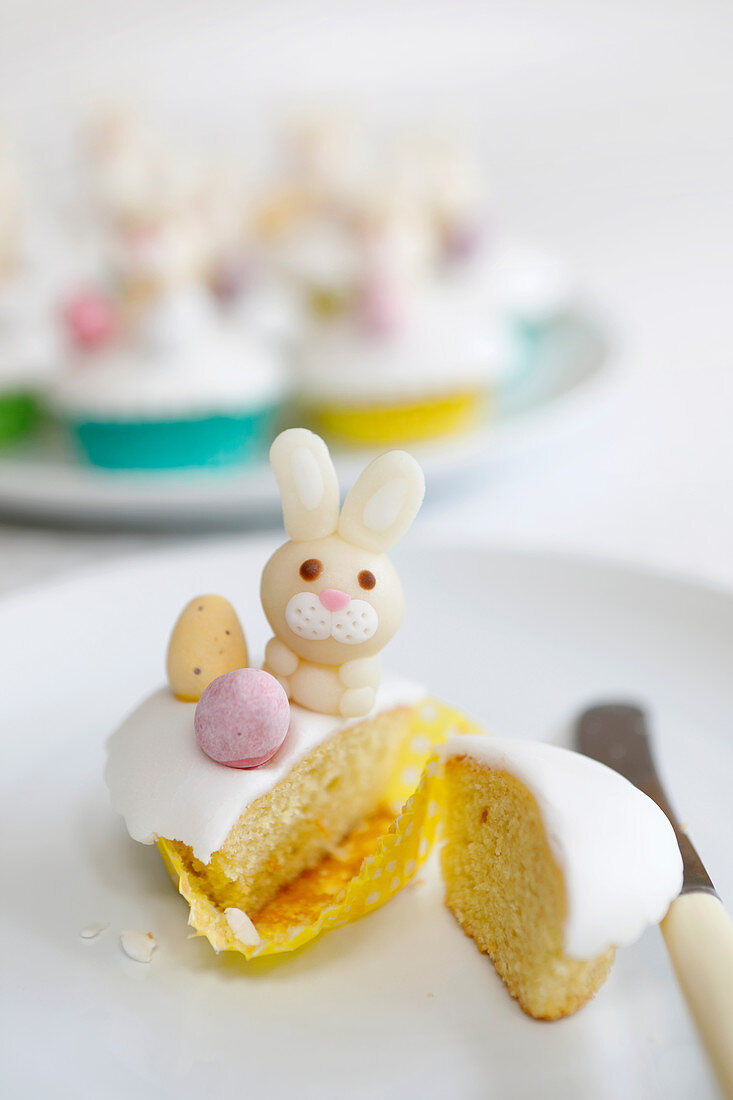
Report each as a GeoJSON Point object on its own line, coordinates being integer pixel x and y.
{"type": "Point", "coordinates": [402, 368]}
{"type": "Point", "coordinates": [27, 353]}
{"type": "Point", "coordinates": [398, 346]}
{"type": "Point", "coordinates": [177, 387]}
{"type": "Point", "coordinates": [413, 354]}
{"type": "Point", "coordinates": [27, 347]}
{"type": "Point", "coordinates": [551, 862]}
{"type": "Point", "coordinates": [160, 375]}
{"type": "Point", "coordinates": [285, 800]}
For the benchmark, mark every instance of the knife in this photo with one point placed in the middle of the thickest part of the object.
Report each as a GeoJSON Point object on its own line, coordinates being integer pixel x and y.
{"type": "Point", "coordinates": [697, 930]}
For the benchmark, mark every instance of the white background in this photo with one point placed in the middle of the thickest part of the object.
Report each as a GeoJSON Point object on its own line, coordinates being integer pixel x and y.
{"type": "Point", "coordinates": [607, 128]}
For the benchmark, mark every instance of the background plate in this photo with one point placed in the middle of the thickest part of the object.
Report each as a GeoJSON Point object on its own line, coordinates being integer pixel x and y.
{"type": "Point", "coordinates": [400, 1004]}
{"type": "Point", "coordinates": [42, 479]}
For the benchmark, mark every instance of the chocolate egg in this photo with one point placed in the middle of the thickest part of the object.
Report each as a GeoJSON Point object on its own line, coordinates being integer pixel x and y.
{"type": "Point", "coordinates": [242, 718]}
{"type": "Point", "coordinates": [206, 642]}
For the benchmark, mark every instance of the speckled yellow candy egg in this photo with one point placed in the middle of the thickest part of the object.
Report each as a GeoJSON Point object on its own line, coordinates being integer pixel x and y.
{"type": "Point", "coordinates": [206, 642]}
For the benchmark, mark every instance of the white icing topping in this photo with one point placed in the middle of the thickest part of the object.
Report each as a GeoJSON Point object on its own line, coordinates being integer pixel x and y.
{"type": "Point", "coordinates": [186, 359]}
{"type": "Point", "coordinates": [28, 344]}
{"type": "Point", "coordinates": [165, 786]}
{"type": "Point", "coordinates": [242, 926]}
{"type": "Point", "coordinates": [271, 310]}
{"type": "Point", "coordinates": [321, 253]}
{"type": "Point", "coordinates": [616, 849]}
{"type": "Point", "coordinates": [138, 945]}
{"type": "Point", "coordinates": [93, 930]}
{"type": "Point", "coordinates": [448, 340]}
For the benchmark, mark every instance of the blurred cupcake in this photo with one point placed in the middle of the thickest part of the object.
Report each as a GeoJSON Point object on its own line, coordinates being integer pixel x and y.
{"type": "Point", "coordinates": [179, 388]}
{"type": "Point", "coordinates": [239, 269]}
{"type": "Point", "coordinates": [26, 357]}
{"type": "Point", "coordinates": [411, 350]}
{"type": "Point", "coordinates": [400, 368]}
{"type": "Point", "coordinates": [160, 374]}
{"type": "Point", "coordinates": [306, 221]}
{"type": "Point", "coordinates": [26, 333]}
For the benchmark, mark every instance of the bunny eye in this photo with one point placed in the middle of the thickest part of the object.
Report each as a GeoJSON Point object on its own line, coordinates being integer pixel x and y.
{"type": "Point", "coordinates": [367, 579]}
{"type": "Point", "coordinates": [311, 569]}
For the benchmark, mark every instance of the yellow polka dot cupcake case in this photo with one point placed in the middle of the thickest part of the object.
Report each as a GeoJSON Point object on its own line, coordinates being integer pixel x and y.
{"type": "Point", "coordinates": [368, 868]}
{"type": "Point", "coordinates": [292, 799]}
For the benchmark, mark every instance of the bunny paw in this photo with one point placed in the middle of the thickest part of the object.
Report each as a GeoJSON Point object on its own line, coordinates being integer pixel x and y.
{"type": "Point", "coordinates": [279, 660]}
{"type": "Point", "coordinates": [360, 673]}
{"type": "Point", "coordinates": [356, 702]}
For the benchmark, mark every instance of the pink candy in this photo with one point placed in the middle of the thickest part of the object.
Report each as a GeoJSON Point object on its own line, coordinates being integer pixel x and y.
{"type": "Point", "coordinates": [231, 278]}
{"type": "Point", "coordinates": [242, 718]}
{"type": "Point", "coordinates": [91, 320]}
{"type": "Point", "coordinates": [463, 241]}
{"type": "Point", "coordinates": [380, 306]}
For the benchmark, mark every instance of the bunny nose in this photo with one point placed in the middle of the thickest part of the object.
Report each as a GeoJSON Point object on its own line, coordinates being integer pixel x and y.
{"type": "Point", "coordinates": [333, 599]}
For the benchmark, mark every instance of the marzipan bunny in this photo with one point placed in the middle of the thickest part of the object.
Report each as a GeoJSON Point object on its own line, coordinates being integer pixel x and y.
{"type": "Point", "coordinates": [331, 595]}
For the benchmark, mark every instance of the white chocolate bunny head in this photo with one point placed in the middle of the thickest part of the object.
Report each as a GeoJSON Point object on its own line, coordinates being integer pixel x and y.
{"type": "Point", "coordinates": [331, 595]}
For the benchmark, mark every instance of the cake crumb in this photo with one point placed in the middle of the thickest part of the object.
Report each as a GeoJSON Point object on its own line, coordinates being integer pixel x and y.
{"type": "Point", "coordinates": [93, 930]}
{"type": "Point", "coordinates": [242, 927]}
{"type": "Point", "coordinates": [431, 994]}
{"type": "Point", "coordinates": [138, 945]}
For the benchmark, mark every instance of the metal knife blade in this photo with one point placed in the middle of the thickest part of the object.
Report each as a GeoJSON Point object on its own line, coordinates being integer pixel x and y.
{"type": "Point", "coordinates": [616, 735]}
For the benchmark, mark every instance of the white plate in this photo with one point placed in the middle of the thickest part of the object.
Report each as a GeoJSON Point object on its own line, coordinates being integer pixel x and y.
{"type": "Point", "coordinates": [43, 479]}
{"type": "Point", "coordinates": [400, 1004]}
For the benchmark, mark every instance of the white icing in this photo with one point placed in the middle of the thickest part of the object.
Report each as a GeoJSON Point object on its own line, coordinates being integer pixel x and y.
{"type": "Point", "coordinates": [93, 930]}
{"type": "Point", "coordinates": [185, 359]}
{"type": "Point", "coordinates": [242, 926]}
{"type": "Point", "coordinates": [448, 340]}
{"type": "Point", "coordinates": [165, 786]}
{"type": "Point", "coordinates": [271, 310]}
{"type": "Point", "coordinates": [616, 849]}
{"type": "Point", "coordinates": [138, 945]}
{"type": "Point", "coordinates": [321, 253]}
{"type": "Point", "coordinates": [28, 345]}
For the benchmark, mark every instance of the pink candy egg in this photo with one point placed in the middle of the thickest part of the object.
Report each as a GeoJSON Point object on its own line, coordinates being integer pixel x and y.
{"type": "Point", "coordinates": [462, 241]}
{"type": "Point", "coordinates": [231, 277]}
{"type": "Point", "coordinates": [242, 718]}
{"type": "Point", "coordinates": [380, 307]}
{"type": "Point", "coordinates": [91, 320]}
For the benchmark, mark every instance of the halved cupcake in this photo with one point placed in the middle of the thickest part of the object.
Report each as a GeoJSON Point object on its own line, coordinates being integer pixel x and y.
{"type": "Point", "coordinates": [245, 839]}
{"type": "Point", "coordinates": [278, 821]}
{"type": "Point", "coordinates": [551, 861]}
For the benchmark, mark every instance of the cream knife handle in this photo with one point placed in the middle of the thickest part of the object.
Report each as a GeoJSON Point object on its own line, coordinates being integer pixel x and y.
{"type": "Point", "coordinates": [699, 937]}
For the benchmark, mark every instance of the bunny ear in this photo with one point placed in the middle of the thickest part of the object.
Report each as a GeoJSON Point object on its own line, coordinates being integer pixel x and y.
{"type": "Point", "coordinates": [308, 484]}
{"type": "Point", "coordinates": [383, 502]}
